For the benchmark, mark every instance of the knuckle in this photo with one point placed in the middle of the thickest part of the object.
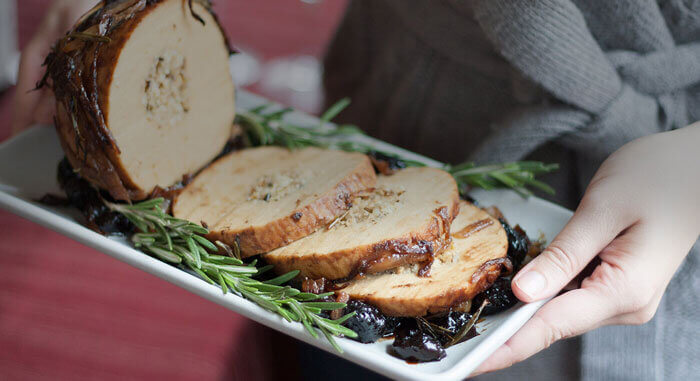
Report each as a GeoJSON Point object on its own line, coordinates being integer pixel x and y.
{"type": "Point", "coordinates": [561, 260]}
{"type": "Point", "coordinates": [553, 332]}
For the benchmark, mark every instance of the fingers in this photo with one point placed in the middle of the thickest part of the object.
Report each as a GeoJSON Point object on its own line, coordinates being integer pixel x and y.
{"type": "Point", "coordinates": [589, 231]}
{"type": "Point", "coordinates": [46, 108]}
{"type": "Point", "coordinates": [26, 100]}
{"type": "Point", "coordinates": [568, 315]}
{"type": "Point", "coordinates": [30, 73]}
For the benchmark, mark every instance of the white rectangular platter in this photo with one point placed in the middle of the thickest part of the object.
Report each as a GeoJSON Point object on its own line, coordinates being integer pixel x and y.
{"type": "Point", "coordinates": [28, 165]}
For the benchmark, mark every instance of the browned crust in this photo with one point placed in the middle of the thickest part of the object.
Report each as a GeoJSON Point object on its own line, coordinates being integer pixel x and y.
{"type": "Point", "coordinates": [482, 279]}
{"type": "Point", "coordinates": [345, 264]}
{"type": "Point", "coordinates": [302, 221]}
{"type": "Point", "coordinates": [79, 71]}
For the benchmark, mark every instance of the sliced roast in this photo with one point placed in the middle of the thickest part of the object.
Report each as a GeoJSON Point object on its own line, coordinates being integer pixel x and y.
{"type": "Point", "coordinates": [267, 197]}
{"type": "Point", "coordinates": [143, 93]}
{"type": "Point", "coordinates": [474, 260]}
{"type": "Point", "coordinates": [404, 219]}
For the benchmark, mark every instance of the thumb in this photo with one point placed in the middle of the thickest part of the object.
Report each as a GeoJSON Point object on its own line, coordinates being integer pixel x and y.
{"type": "Point", "coordinates": [589, 231]}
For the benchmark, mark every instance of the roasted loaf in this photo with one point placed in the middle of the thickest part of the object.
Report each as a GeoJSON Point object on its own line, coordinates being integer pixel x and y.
{"type": "Point", "coordinates": [474, 260]}
{"type": "Point", "coordinates": [143, 93]}
{"type": "Point", "coordinates": [404, 219]}
{"type": "Point", "coordinates": [267, 197]}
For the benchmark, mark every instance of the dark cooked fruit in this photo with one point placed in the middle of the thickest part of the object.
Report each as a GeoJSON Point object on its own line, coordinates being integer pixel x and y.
{"type": "Point", "coordinates": [452, 321]}
{"type": "Point", "coordinates": [500, 297]}
{"type": "Point", "coordinates": [86, 198]}
{"type": "Point", "coordinates": [518, 243]}
{"type": "Point", "coordinates": [369, 323]}
{"type": "Point", "coordinates": [414, 345]}
{"type": "Point", "coordinates": [385, 164]}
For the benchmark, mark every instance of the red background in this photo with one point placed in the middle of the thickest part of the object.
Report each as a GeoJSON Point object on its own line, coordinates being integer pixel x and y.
{"type": "Point", "coordinates": [69, 312]}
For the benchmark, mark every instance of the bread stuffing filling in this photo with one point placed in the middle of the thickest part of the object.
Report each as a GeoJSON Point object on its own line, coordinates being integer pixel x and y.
{"type": "Point", "coordinates": [165, 95]}
{"type": "Point", "coordinates": [274, 187]}
{"type": "Point", "coordinates": [371, 207]}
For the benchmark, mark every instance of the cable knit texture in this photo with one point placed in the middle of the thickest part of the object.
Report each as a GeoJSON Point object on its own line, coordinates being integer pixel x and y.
{"type": "Point", "coordinates": [557, 80]}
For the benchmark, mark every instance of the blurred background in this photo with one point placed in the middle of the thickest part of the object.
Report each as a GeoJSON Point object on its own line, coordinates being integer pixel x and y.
{"type": "Point", "coordinates": [69, 312]}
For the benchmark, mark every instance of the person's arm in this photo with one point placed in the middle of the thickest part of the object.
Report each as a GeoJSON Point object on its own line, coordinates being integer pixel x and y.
{"type": "Point", "coordinates": [641, 216]}
{"type": "Point", "coordinates": [8, 43]}
{"type": "Point", "coordinates": [38, 106]}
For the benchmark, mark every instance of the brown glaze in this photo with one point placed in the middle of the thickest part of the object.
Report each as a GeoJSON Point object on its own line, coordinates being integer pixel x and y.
{"type": "Point", "coordinates": [171, 192]}
{"type": "Point", "coordinates": [473, 228]}
{"type": "Point", "coordinates": [315, 286]}
{"type": "Point", "coordinates": [394, 253]}
{"type": "Point", "coordinates": [79, 71]}
{"type": "Point", "coordinates": [341, 297]}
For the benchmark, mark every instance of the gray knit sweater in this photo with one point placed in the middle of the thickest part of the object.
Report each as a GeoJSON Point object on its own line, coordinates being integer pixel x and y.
{"type": "Point", "coordinates": [557, 80]}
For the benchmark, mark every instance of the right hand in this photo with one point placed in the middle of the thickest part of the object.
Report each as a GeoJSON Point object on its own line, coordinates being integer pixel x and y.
{"type": "Point", "coordinates": [32, 107]}
{"type": "Point", "coordinates": [640, 216]}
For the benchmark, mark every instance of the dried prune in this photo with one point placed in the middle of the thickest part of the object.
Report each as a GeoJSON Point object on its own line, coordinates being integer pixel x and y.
{"type": "Point", "coordinates": [451, 322]}
{"type": "Point", "coordinates": [369, 323]}
{"type": "Point", "coordinates": [415, 345]}
{"type": "Point", "coordinates": [87, 199]}
{"type": "Point", "coordinates": [500, 296]}
{"type": "Point", "coordinates": [518, 243]}
{"type": "Point", "coordinates": [385, 164]}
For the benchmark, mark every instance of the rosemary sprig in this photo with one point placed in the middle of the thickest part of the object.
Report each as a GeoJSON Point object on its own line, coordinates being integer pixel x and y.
{"type": "Point", "coordinates": [183, 243]}
{"type": "Point", "coordinates": [266, 126]}
{"type": "Point", "coordinates": [514, 175]}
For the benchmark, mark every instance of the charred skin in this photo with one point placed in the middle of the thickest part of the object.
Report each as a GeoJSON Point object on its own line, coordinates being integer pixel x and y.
{"type": "Point", "coordinates": [79, 71]}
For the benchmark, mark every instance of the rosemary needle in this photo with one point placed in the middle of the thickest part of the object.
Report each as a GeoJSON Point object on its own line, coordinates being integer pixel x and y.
{"type": "Point", "coordinates": [182, 242]}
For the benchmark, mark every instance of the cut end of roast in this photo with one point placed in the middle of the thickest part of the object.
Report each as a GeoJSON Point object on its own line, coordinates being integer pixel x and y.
{"type": "Point", "coordinates": [474, 260]}
{"type": "Point", "coordinates": [264, 198]}
{"type": "Point", "coordinates": [157, 105]}
{"type": "Point", "coordinates": [404, 219]}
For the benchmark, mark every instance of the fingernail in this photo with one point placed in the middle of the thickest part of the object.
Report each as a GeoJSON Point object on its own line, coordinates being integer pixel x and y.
{"type": "Point", "coordinates": [531, 283]}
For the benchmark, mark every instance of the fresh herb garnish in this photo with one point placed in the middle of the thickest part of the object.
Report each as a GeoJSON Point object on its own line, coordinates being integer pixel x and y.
{"type": "Point", "coordinates": [264, 125]}
{"type": "Point", "coordinates": [183, 243]}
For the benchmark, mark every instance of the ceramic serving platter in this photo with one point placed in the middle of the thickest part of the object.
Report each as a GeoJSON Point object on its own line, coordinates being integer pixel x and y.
{"type": "Point", "coordinates": [28, 165]}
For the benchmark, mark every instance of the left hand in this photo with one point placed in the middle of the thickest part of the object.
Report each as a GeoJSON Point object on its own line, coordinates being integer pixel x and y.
{"type": "Point", "coordinates": [37, 106]}
{"type": "Point", "coordinates": [640, 215]}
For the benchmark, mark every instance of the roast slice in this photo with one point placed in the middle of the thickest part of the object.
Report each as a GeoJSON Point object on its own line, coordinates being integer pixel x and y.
{"type": "Point", "coordinates": [144, 94]}
{"type": "Point", "coordinates": [267, 197]}
{"type": "Point", "coordinates": [473, 261]}
{"type": "Point", "coordinates": [405, 219]}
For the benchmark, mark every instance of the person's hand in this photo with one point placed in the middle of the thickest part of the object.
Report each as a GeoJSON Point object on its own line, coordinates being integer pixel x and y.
{"type": "Point", "coordinates": [641, 216]}
{"type": "Point", "coordinates": [30, 106]}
